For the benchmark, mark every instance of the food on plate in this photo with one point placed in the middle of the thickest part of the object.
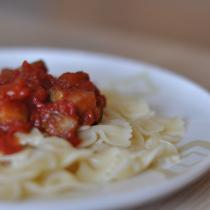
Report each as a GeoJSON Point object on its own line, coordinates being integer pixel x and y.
{"type": "Point", "coordinates": [60, 135]}
{"type": "Point", "coordinates": [31, 97]}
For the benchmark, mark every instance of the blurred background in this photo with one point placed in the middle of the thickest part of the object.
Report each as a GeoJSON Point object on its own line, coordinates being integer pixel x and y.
{"type": "Point", "coordinates": [173, 34]}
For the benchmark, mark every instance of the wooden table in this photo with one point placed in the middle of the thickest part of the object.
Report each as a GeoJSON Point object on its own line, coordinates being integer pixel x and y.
{"type": "Point", "coordinates": [191, 62]}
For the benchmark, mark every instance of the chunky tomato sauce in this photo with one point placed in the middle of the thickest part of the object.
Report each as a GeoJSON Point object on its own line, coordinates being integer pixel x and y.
{"type": "Point", "coordinates": [31, 97]}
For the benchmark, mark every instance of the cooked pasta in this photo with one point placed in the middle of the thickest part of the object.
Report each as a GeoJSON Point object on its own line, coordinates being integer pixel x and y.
{"type": "Point", "coordinates": [129, 139]}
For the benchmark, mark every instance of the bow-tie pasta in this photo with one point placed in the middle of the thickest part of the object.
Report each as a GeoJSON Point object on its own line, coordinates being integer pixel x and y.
{"type": "Point", "coordinates": [129, 139]}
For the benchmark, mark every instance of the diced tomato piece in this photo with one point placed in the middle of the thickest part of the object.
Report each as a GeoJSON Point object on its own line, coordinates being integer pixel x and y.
{"type": "Point", "coordinates": [83, 100]}
{"type": "Point", "coordinates": [8, 75]}
{"type": "Point", "coordinates": [18, 90]}
{"type": "Point", "coordinates": [69, 80]}
{"type": "Point", "coordinates": [9, 143]}
{"type": "Point", "coordinates": [13, 111]}
{"type": "Point", "coordinates": [57, 119]}
{"type": "Point", "coordinates": [39, 65]}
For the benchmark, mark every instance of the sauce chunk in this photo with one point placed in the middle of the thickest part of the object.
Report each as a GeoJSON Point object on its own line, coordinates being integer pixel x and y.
{"type": "Point", "coordinates": [31, 97]}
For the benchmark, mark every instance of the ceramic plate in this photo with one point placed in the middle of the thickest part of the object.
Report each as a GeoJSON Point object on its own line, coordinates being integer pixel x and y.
{"type": "Point", "coordinates": [174, 96]}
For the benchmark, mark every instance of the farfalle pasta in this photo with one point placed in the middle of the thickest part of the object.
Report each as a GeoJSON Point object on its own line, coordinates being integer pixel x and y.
{"type": "Point", "coordinates": [126, 142]}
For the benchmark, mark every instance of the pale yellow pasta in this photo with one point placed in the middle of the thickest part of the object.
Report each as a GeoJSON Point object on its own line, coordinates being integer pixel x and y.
{"type": "Point", "coordinates": [114, 132]}
{"type": "Point", "coordinates": [117, 163]}
{"type": "Point", "coordinates": [129, 107]}
{"type": "Point", "coordinates": [60, 181]}
{"type": "Point", "coordinates": [128, 140]}
{"type": "Point", "coordinates": [148, 126]}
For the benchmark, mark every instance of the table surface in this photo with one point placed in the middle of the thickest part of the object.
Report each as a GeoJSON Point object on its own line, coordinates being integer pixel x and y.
{"type": "Point", "coordinates": [189, 61]}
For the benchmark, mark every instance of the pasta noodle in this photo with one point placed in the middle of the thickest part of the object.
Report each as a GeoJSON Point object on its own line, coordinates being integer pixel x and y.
{"type": "Point", "coordinates": [129, 139]}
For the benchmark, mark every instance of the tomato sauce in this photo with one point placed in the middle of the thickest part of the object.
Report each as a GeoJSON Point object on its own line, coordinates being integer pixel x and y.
{"type": "Point", "coordinates": [31, 97]}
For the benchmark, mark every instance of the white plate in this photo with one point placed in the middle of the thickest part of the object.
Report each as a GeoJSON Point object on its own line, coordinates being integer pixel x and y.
{"type": "Point", "coordinates": [176, 96]}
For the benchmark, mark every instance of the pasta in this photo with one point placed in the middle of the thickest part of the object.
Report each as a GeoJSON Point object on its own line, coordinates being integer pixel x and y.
{"type": "Point", "coordinates": [130, 138]}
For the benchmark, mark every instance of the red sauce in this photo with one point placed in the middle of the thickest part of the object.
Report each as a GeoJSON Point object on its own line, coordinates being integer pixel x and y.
{"type": "Point", "coordinates": [31, 97]}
